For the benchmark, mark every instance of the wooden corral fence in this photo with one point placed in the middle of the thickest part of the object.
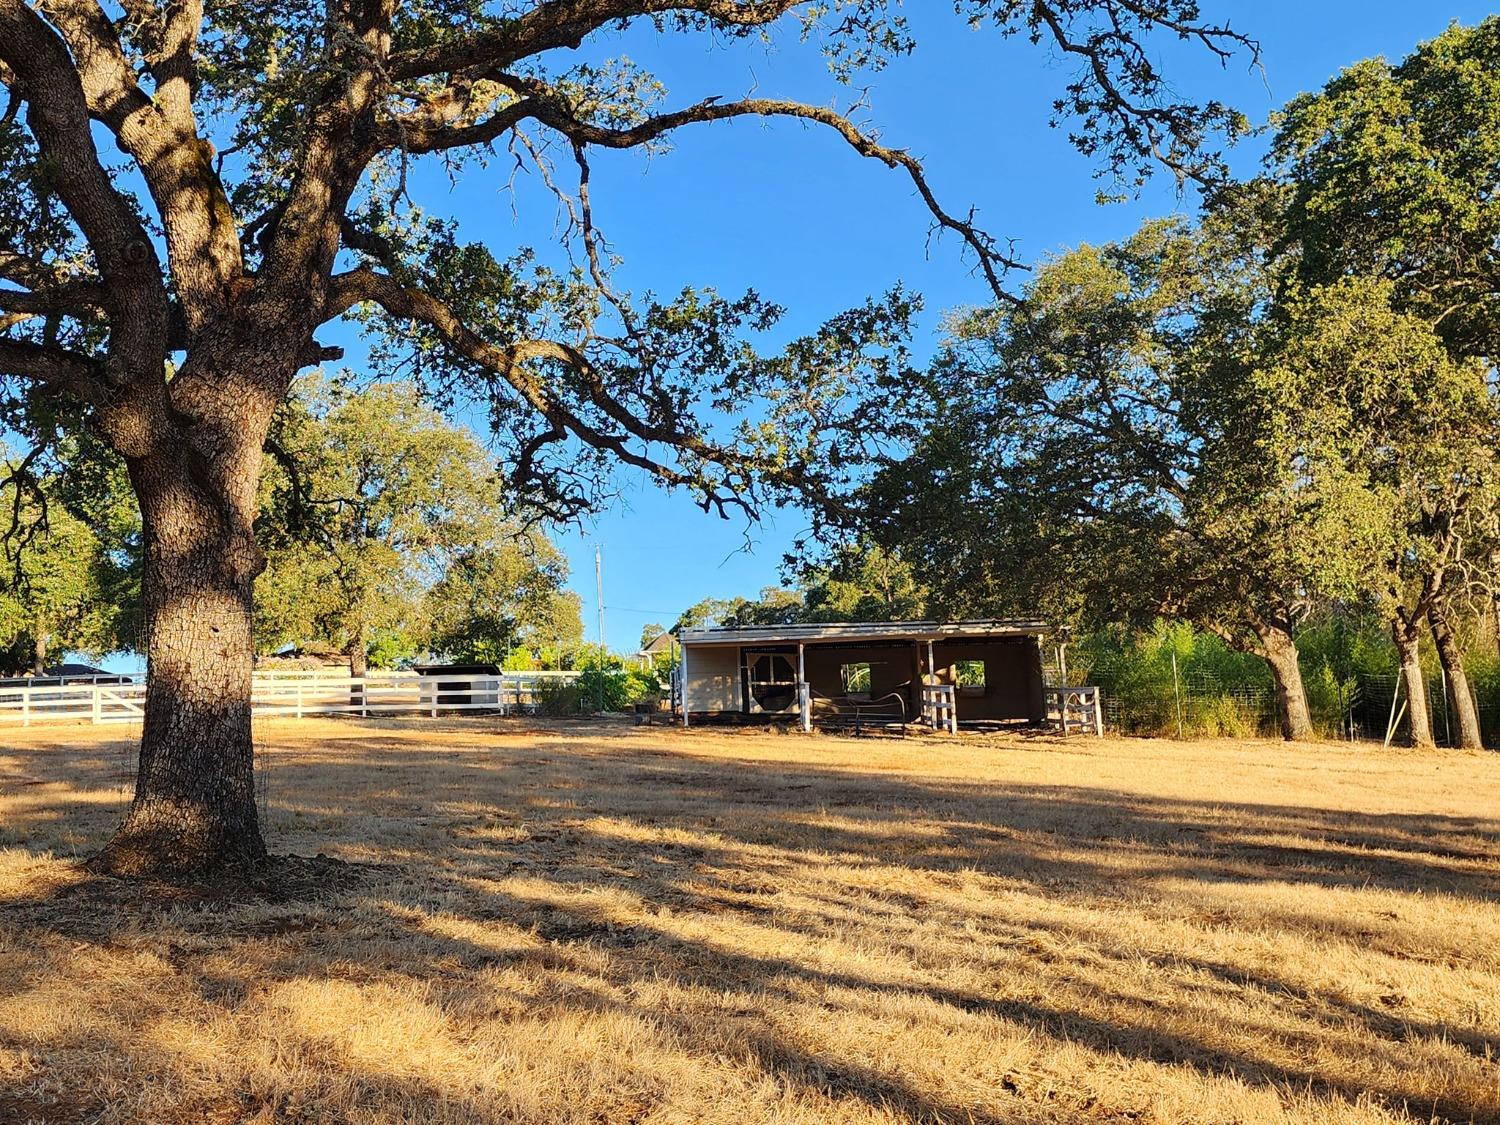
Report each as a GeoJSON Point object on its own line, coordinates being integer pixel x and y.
{"type": "Point", "coordinates": [940, 706]}
{"type": "Point", "coordinates": [1076, 709]}
{"type": "Point", "coordinates": [298, 694]}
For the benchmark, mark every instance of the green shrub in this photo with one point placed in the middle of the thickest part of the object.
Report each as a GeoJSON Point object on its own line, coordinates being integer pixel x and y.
{"type": "Point", "coordinates": [615, 690]}
{"type": "Point", "coordinates": [1484, 675]}
{"type": "Point", "coordinates": [1349, 672]}
{"type": "Point", "coordinates": [558, 698]}
{"type": "Point", "coordinates": [1222, 716]}
{"type": "Point", "coordinates": [1220, 691]}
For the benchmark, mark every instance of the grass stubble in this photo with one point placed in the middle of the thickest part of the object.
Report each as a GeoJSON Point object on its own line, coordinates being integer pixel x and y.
{"type": "Point", "coordinates": [516, 921]}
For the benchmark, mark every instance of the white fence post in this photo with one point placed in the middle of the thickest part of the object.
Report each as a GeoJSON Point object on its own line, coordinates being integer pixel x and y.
{"type": "Point", "coordinates": [98, 693]}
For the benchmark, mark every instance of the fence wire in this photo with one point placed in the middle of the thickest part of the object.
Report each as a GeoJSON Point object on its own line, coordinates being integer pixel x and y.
{"type": "Point", "coordinates": [1364, 707]}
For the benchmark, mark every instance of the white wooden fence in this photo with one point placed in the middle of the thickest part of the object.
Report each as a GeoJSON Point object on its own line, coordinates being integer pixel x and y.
{"type": "Point", "coordinates": [940, 706]}
{"type": "Point", "coordinates": [297, 694]}
{"type": "Point", "coordinates": [1076, 709]}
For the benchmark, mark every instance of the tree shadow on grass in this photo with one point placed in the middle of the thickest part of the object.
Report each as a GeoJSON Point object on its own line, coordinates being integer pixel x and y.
{"type": "Point", "coordinates": [438, 834]}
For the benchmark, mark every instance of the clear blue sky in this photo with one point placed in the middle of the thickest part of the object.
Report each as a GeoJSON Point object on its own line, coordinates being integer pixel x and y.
{"type": "Point", "coordinates": [794, 214]}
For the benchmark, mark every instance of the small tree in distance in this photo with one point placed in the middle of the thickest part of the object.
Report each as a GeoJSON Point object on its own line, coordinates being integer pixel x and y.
{"type": "Point", "coordinates": [383, 520]}
{"type": "Point", "coordinates": [57, 591]}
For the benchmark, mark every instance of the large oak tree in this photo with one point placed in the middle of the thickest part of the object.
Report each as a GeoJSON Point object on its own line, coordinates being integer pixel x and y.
{"type": "Point", "coordinates": [1125, 428]}
{"type": "Point", "coordinates": [261, 190]}
{"type": "Point", "coordinates": [1393, 171]}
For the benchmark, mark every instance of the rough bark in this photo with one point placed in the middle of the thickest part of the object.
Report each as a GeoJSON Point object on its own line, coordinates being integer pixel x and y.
{"type": "Point", "coordinates": [39, 654]}
{"type": "Point", "coordinates": [194, 806]}
{"type": "Point", "coordinates": [1406, 634]}
{"type": "Point", "coordinates": [1465, 708]}
{"type": "Point", "coordinates": [1279, 651]}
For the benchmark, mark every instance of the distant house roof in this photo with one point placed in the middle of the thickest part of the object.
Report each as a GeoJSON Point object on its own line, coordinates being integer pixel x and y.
{"type": "Point", "coordinates": [863, 631]}
{"type": "Point", "coordinates": [662, 643]}
{"type": "Point", "coordinates": [63, 673]}
{"type": "Point", "coordinates": [75, 670]}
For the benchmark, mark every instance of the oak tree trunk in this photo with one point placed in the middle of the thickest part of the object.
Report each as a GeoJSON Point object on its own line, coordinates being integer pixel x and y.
{"type": "Point", "coordinates": [359, 667]}
{"type": "Point", "coordinates": [39, 654]}
{"type": "Point", "coordinates": [1279, 651]}
{"type": "Point", "coordinates": [1451, 656]}
{"type": "Point", "coordinates": [194, 806]}
{"type": "Point", "coordinates": [1419, 718]}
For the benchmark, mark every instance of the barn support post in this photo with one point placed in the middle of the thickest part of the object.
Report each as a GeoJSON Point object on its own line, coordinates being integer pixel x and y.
{"type": "Point", "coordinates": [683, 672]}
{"type": "Point", "coordinates": [932, 679]}
{"type": "Point", "coordinates": [804, 693]}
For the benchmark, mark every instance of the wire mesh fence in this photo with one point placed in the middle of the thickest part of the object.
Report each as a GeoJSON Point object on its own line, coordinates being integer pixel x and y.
{"type": "Point", "coordinates": [1367, 706]}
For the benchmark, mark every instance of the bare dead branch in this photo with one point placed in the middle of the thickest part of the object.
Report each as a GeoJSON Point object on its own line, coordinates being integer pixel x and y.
{"type": "Point", "coordinates": [542, 103]}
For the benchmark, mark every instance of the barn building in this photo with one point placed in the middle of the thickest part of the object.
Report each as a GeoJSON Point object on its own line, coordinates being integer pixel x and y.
{"type": "Point", "coordinates": [941, 673]}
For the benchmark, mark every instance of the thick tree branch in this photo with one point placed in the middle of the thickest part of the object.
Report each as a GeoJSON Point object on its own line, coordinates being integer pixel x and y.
{"type": "Point", "coordinates": [428, 132]}
{"type": "Point", "coordinates": [74, 299]}
{"type": "Point", "coordinates": [566, 23]}
{"type": "Point", "coordinates": [50, 290]}
{"type": "Point", "coordinates": [57, 114]}
{"type": "Point", "coordinates": [161, 134]}
{"type": "Point", "coordinates": [54, 368]}
{"type": "Point", "coordinates": [341, 140]}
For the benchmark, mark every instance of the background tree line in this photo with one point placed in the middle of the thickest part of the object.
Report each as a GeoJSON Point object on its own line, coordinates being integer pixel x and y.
{"type": "Point", "coordinates": [1276, 412]}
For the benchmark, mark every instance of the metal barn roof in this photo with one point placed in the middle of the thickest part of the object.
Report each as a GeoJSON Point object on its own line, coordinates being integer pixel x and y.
{"type": "Point", "coordinates": [835, 632]}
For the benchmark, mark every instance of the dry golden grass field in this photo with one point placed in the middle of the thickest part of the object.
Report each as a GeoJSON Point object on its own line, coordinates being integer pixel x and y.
{"type": "Point", "coordinates": [601, 923]}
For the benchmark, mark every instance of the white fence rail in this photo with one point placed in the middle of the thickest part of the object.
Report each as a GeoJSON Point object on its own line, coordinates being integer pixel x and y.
{"type": "Point", "coordinates": [298, 695]}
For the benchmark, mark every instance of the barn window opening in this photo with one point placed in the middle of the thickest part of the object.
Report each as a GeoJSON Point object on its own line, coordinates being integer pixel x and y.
{"type": "Point", "coordinates": [970, 676]}
{"type": "Point", "coordinates": [856, 679]}
{"type": "Point", "coordinates": [773, 682]}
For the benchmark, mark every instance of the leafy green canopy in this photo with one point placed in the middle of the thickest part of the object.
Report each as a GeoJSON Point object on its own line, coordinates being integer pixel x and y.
{"type": "Point", "coordinates": [1390, 173]}
{"type": "Point", "coordinates": [386, 526]}
{"type": "Point", "coordinates": [855, 582]}
{"type": "Point", "coordinates": [1138, 436]}
{"type": "Point", "coordinates": [1394, 171]}
{"type": "Point", "coordinates": [60, 589]}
